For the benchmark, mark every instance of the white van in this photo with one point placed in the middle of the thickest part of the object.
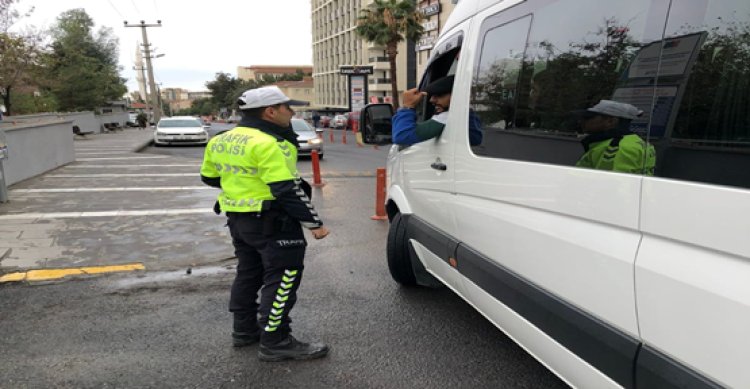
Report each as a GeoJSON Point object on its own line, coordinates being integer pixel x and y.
{"type": "Point", "coordinates": [609, 278]}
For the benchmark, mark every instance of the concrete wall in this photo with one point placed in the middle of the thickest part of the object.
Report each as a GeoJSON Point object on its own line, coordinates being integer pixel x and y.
{"type": "Point", "coordinates": [86, 120]}
{"type": "Point", "coordinates": [36, 147]}
{"type": "Point", "coordinates": [121, 118]}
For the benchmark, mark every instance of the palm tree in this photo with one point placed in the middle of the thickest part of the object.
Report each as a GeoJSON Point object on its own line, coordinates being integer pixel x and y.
{"type": "Point", "coordinates": [386, 23]}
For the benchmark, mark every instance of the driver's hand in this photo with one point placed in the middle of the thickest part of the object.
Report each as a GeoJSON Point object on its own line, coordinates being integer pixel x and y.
{"type": "Point", "coordinates": [320, 232]}
{"type": "Point", "coordinates": [412, 97]}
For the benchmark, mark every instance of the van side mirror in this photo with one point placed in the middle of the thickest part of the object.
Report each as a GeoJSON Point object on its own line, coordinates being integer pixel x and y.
{"type": "Point", "coordinates": [375, 124]}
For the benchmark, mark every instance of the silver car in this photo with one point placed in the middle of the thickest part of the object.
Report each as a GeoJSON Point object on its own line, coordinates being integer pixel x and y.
{"type": "Point", "coordinates": [308, 139]}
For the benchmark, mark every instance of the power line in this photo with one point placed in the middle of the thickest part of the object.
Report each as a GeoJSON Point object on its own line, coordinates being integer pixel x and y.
{"type": "Point", "coordinates": [115, 8]}
{"type": "Point", "coordinates": [137, 11]}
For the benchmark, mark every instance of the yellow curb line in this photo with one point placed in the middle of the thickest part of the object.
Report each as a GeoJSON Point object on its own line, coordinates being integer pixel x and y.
{"type": "Point", "coordinates": [53, 274]}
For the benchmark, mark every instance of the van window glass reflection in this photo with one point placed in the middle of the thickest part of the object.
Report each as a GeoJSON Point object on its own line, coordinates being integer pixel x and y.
{"type": "Point", "coordinates": [533, 78]}
{"type": "Point", "coordinates": [707, 134]}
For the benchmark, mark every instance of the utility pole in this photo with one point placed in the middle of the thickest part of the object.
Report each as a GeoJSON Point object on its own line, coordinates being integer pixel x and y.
{"type": "Point", "coordinates": [156, 109]}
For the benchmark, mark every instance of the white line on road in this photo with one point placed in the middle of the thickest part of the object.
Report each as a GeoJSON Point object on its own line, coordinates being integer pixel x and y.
{"type": "Point", "coordinates": [97, 149]}
{"type": "Point", "coordinates": [123, 152]}
{"type": "Point", "coordinates": [76, 215]}
{"type": "Point", "coordinates": [134, 166]}
{"type": "Point", "coordinates": [114, 158]}
{"type": "Point", "coordinates": [123, 189]}
{"type": "Point", "coordinates": [120, 175]}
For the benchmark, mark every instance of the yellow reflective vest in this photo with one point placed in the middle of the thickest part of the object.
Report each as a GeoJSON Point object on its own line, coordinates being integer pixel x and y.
{"type": "Point", "coordinates": [247, 160]}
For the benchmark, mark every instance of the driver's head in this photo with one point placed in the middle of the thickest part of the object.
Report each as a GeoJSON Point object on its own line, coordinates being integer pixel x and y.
{"type": "Point", "coordinates": [440, 92]}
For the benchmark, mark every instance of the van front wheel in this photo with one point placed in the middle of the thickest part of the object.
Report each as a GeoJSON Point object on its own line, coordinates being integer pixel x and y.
{"type": "Point", "coordinates": [399, 263]}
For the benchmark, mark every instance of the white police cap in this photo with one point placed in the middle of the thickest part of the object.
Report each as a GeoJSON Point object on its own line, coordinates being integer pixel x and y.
{"type": "Point", "coordinates": [265, 97]}
{"type": "Point", "coordinates": [616, 109]}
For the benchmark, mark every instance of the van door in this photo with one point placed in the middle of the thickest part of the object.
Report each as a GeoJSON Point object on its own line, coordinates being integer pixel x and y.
{"type": "Point", "coordinates": [428, 172]}
{"type": "Point", "coordinates": [693, 267]}
{"type": "Point", "coordinates": [548, 235]}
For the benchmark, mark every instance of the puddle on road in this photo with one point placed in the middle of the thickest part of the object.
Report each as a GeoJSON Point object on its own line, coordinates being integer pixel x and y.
{"type": "Point", "coordinates": [177, 275]}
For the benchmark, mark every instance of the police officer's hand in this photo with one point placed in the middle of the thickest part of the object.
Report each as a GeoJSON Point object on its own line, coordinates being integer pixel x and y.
{"type": "Point", "coordinates": [412, 97]}
{"type": "Point", "coordinates": [320, 232]}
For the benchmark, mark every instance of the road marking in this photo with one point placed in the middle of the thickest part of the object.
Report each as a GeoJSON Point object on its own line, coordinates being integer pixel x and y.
{"type": "Point", "coordinates": [102, 175]}
{"type": "Point", "coordinates": [116, 158]}
{"type": "Point", "coordinates": [54, 274]}
{"type": "Point", "coordinates": [117, 152]}
{"type": "Point", "coordinates": [120, 213]}
{"type": "Point", "coordinates": [83, 166]}
{"type": "Point", "coordinates": [97, 150]}
{"type": "Point", "coordinates": [122, 189]}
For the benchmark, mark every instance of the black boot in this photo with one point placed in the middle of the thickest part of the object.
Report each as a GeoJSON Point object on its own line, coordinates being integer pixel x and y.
{"type": "Point", "coordinates": [242, 339]}
{"type": "Point", "coordinates": [291, 348]}
{"type": "Point", "coordinates": [246, 331]}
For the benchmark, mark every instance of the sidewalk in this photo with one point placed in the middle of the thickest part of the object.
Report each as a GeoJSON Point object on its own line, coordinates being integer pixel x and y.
{"type": "Point", "coordinates": [112, 207]}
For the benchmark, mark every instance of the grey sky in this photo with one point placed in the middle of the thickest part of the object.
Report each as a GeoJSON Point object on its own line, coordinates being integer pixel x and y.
{"type": "Point", "coordinates": [197, 38]}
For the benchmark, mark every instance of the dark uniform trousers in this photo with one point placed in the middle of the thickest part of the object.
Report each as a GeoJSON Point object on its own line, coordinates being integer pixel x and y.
{"type": "Point", "coordinates": [270, 257]}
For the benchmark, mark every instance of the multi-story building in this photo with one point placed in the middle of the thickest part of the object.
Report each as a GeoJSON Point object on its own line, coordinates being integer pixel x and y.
{"type": "Point", "coordinates": [434, 15]}
{"type": "Point", "coordinates": [336, 44]}
{"type": "Point", "coordinates": [258, 72]}
{"type": "Point", "coordinates": [178, 99]}
{"type": "Point", "coordinates": [298, 90]}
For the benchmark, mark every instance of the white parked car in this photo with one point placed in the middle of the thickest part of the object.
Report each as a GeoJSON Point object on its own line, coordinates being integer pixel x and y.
{"type": "Point", "coordinates": [339, 122]}
{"type": "Point", "coordinates": [589, 192]}
{"type": "Point", "coordinates": [180, 130]}
{"type": "Point", "coordinates": [308, 139]}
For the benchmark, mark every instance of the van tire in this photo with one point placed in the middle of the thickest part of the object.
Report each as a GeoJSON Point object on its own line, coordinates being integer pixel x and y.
{"type": "Point", "coordinates": [399, 261]}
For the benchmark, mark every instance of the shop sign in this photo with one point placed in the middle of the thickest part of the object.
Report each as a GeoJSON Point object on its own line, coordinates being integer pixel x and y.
{"type": "Point", "coordinates": [430, 25]}
{"type": "Point", "coordinates": [355, 70]}
{"type": "Point", "coordinates": [432, 9]}
{"type": "Point", "coordinates": [425, 43]}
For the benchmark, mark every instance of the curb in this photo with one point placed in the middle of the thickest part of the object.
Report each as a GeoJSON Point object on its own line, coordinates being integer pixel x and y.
{"type": "Point", "coordinates": [38, 275]}
{"type": "Point", "coordinates": [143, 145]}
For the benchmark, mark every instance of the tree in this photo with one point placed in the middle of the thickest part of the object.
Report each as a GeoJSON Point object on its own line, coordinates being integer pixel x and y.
{"type": "Point", "coordinates": [19, 52]}
{"type": "Point", "coordinates": [386, 23]}
{"type": "Point", "coordinates": [83, 70]}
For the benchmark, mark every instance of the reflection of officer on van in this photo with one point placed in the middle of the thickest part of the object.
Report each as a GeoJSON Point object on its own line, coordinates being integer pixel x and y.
{"type": "Point", "coordinates": [406, 131]}
{"type": "Point", "coordinates": [267, 204]}
{"type": "Point", "coordinates": [610, 145]}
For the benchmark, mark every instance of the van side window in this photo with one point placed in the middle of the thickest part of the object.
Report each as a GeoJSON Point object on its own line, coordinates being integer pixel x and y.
{"type": "Point", "coordinates": [550, 97]}
{"type": "Point", "coordinates": [704, 92]}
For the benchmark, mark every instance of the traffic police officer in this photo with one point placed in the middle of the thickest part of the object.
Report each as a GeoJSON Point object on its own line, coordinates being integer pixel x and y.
{"type": "Point", "coordinates": [266, 204]}
{"type": "Point", "coordinates": [610, 144]}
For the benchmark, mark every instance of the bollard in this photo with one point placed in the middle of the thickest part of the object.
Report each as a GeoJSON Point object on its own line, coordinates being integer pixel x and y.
{"type": "Point", "coordinates": [343, 136]}
{"type": "Point", "coordinates": [330, 135]}
{"type": "Point", "coordinates": [357, 134]}
{"type": "Point", "coordinates": [380, 196]}
{"type": "Point", "coordinates": [316, 169]}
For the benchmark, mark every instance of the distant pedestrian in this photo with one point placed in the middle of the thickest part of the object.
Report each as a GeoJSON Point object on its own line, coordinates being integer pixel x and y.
{"type": "Point", "coordinates": [316, 119]}
{"type": "Point", "coordinates": [142, 120]}
{"type": "Point", "coordinates": [267, 204]}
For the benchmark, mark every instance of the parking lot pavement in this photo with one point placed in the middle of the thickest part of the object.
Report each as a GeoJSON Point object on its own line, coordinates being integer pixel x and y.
{"type": "Point", "coordinates": [116, 206]}
{"type": "Point", "coordinates": [111, 206]}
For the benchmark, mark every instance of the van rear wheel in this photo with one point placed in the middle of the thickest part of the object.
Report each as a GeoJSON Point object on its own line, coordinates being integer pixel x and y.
{"type": "Point", "coordinates": [399, 262]}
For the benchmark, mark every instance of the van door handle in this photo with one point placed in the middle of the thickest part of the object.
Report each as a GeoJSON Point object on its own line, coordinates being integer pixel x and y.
{"type": "Point", "coordinates": [437, 165]}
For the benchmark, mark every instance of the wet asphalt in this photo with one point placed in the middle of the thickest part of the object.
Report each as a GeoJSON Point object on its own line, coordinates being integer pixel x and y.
{"type": "Point", "coordinates": [165, 328]}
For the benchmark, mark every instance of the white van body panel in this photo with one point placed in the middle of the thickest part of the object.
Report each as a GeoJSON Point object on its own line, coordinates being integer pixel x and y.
{"type": "Point", "coordinates": [396, 195]}
{"type": "Point", "coordinates": [693, 306]}
{"type": "Point", "coordinates": [558, 359]}
{"type": "Point", "coordinates": [465, 9]}
{"type": "Point", "coordinates": [693, 269]}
